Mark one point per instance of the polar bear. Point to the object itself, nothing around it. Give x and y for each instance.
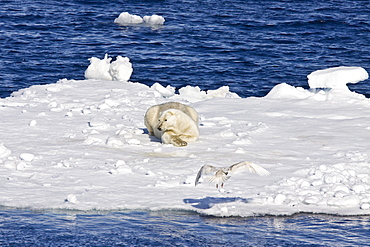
(173, 123)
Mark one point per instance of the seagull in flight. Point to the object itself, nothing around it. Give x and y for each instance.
(222, 174)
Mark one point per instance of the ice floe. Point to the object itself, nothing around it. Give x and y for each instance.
(126, 18)
(82, 144)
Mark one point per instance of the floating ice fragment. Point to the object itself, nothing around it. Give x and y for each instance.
(154, 20)
(126, 18)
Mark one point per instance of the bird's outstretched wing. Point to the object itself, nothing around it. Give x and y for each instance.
(204, 170)
(250, 167)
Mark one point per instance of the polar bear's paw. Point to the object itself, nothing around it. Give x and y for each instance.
(178, 142)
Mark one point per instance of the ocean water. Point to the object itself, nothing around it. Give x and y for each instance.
(248, 45)
(171, 228)
(245, 44)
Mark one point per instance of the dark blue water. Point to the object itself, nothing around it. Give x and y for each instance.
(26, 228)
(245, 44)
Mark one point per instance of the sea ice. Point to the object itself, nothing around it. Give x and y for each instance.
(90, 149)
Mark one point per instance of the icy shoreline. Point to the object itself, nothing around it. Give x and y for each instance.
(82, 145)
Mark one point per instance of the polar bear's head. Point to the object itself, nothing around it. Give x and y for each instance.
(168, 119)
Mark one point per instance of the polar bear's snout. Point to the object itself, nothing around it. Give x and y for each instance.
(160, 126)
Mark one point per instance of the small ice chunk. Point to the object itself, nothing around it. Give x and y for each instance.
(150, 173)
(279, 199)
(358, 188)
(124, 169)
(154, 20)
(27, 157)
(32, 123)
(126, 18)
(121, 69)
(164, 91)
(21, 165)
(120, 163)
(336, 77)
(71, 198)
(99, 69)
(305, 184)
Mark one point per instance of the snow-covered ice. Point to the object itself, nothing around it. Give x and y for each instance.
(88, 149)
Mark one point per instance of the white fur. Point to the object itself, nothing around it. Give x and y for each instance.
(173, 123)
